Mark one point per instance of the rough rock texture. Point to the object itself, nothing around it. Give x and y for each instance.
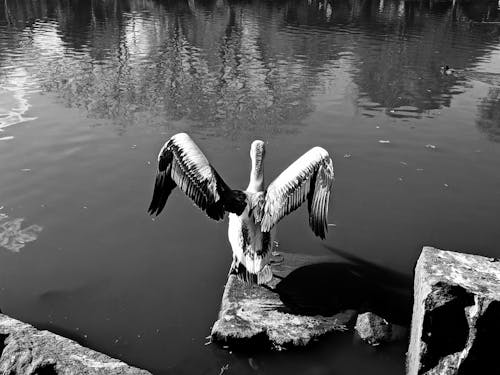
(253, 312)
(26, 350)
(456, 314)
(376, 330)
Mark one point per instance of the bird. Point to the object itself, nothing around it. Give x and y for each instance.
(253, 212)
(447, 70)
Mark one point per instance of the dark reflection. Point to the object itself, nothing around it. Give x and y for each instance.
(482, 11)
(329, 288)
(229, 66)
(405, 79)
(90, 19)
(488, 119)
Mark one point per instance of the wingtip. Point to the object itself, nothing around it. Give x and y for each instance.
(153, 205)
(152, 210)
(320, 234)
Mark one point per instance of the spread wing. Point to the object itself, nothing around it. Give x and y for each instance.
(181, 163)
(309, 177)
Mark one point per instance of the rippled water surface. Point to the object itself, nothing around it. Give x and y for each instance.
(90, 90)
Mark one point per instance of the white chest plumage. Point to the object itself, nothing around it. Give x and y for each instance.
(251, 247)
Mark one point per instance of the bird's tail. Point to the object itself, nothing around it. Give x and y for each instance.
(261, 277)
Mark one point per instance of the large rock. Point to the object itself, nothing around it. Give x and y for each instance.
(256, 312)
(456, 314)
(28, 351)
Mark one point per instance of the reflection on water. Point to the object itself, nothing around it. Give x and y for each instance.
(489, 114)
(220, 65)
(12, 237)
(135, 67)
(13, 97)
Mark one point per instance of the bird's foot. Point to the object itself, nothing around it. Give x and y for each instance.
(276, 258)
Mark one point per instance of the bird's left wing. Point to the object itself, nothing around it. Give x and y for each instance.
(181, 163)
(309, 177)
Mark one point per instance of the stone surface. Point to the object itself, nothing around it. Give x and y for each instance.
(255, 312)
(26, 350)
(376, 330)
(456, 314)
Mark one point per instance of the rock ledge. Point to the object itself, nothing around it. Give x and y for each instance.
(28, 351)
(456, 310)
(257, 312)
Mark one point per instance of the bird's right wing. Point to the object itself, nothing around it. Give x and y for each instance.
(309, 177)
(181, 163)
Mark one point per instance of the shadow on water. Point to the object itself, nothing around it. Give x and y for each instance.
(386, 275)
(327, 288)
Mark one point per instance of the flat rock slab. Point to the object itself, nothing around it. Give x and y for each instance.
(251, 312)
(26, 350)
(456, 314)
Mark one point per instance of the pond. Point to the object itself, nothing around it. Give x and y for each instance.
(91, 89)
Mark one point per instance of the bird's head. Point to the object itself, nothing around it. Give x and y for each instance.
(257, 151)
(445, 69)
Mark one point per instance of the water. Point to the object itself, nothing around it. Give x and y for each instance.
(90, 90)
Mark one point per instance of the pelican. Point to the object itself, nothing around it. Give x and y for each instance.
(254, 212)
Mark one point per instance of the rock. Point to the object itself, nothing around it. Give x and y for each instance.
(28, 351)
(456, 314)
(256, 312)
(376, 330)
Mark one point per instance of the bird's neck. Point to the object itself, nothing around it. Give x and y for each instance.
(256, 183)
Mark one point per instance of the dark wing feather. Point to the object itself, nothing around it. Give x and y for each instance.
(309, 177)
(163, 183)
(181, 163)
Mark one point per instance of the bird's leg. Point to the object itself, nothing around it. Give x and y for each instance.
(234, 267)
(276, 257)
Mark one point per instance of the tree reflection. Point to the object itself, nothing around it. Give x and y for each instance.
(482, 11)
(179, 62)
(405, 79)
(489, 114)
(229, 66)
